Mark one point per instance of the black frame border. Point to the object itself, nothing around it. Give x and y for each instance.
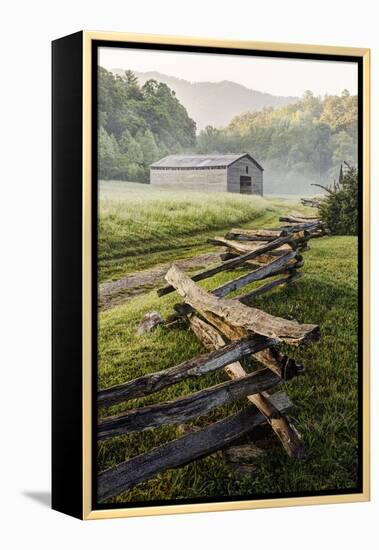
(67, 258)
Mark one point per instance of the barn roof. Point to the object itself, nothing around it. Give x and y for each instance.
(200, 161)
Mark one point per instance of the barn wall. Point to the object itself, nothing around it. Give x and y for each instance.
(198, 180)
(239, 169)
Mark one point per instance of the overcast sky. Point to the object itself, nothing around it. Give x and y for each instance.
(275, 76)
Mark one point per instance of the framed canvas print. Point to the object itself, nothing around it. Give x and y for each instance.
(210, 275)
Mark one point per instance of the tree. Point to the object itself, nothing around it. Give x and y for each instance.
(343, 148)
(306, 140)
(340, 177)
(130, 148)
(108, 153)
(339, 210)
(133, 89)
(141, 124)
(149, 148)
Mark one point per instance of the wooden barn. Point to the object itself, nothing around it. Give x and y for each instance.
(227, 173)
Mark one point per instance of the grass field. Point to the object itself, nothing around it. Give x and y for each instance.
(140, 226)
(325, 398)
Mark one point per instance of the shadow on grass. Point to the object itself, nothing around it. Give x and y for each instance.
(309, 293)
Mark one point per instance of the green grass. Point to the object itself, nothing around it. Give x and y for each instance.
(141, 226)
(325, 398)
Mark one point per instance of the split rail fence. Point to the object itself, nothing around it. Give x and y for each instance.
(312, 202)
(238, 338)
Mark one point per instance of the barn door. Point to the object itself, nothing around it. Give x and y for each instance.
(245, 185)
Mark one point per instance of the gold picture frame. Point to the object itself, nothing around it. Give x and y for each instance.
(85, 510)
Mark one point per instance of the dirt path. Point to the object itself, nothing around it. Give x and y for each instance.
(125, 289)
(119, 292)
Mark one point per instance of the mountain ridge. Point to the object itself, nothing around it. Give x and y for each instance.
(213, 103)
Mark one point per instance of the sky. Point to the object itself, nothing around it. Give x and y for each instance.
(277, 76)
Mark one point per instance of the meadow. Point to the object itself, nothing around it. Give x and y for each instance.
(325, 398)
(140, 226)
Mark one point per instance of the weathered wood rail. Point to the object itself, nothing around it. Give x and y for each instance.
(241, 339)
(183, 450)
(242, 318)
(186, 408)
(254, 252)
(312, 202)
(209, 362)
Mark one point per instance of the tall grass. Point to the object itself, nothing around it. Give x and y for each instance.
(325, 398)
(136, 219)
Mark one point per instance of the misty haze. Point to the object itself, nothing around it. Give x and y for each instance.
(299, 141)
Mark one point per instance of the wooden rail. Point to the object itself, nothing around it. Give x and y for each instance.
(283, 429)
(312, 202)
(209, 362)
(185, 408)
(183, 450)
(233, 263)
(277, 266)
(237, 336)
(232, 312)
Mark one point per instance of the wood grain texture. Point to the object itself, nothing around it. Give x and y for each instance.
(275, 267)
(267, 235)
(273, 359)
(255, 234)
(211, 337)
(246, 298)
(183, 450)
(185, 408)
(238, 315)
(232, 263)
(156, 381)
(245, 246)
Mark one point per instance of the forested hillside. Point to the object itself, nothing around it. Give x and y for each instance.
(214, 103)
(138, 125)
(298, 144)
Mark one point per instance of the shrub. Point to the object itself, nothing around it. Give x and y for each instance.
(339, 209)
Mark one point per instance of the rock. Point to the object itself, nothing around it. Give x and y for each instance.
(244, 470)
(243, 454)
(242, 458)
(150, 321)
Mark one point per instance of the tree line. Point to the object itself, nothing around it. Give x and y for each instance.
(308, 139)
(138, 125)
(303, 141)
